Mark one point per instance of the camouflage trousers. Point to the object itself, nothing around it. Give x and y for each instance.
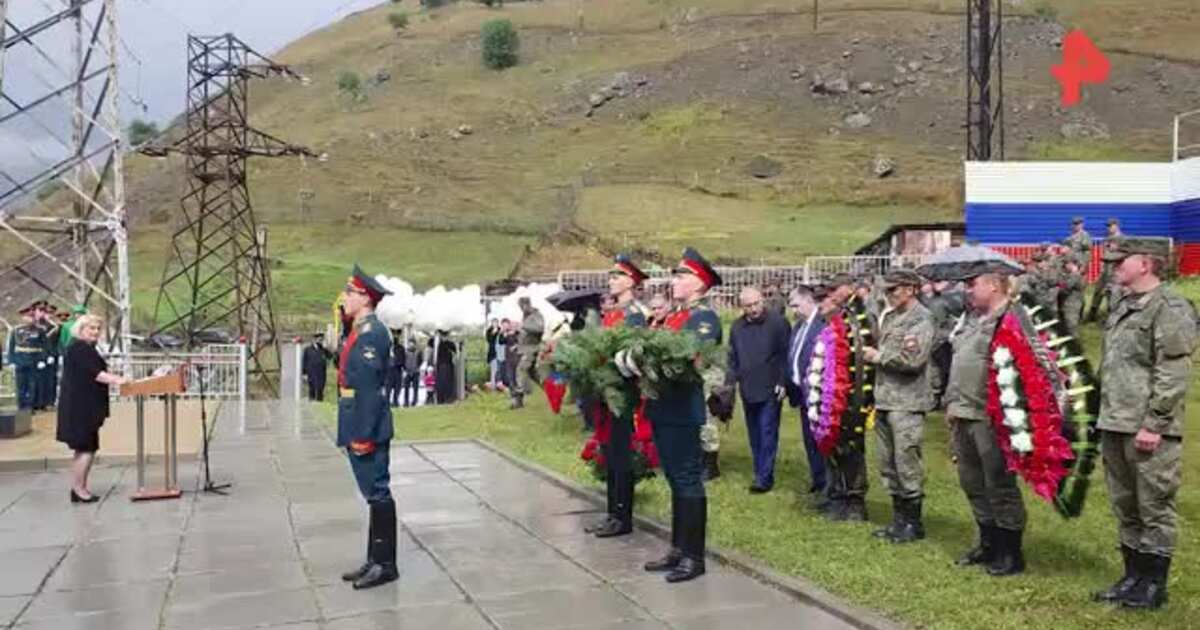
(527, 376)
(983, 474)
(898, 435)
(1071, 309)
(710, 435)
(1142, 488)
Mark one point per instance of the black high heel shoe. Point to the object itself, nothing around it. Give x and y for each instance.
(75, 498)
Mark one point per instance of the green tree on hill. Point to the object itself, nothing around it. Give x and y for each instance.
(141, 131)
(351, 86)
(500, 44)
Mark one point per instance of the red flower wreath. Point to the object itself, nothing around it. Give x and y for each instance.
(641, 442)
(1046, 465)
(834, 388)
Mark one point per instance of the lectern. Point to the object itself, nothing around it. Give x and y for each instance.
(169, 386)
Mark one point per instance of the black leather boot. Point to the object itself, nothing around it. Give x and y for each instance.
(351, 576)
(1150, 591)
(695, 526)
(1010, 559)
(1122, 586)
(897, 520)
(911, 529)
(852, 509)
(622, 518)
(982, 553)
(383, 548)
(610, 502)
(675, 554)
(712, 466)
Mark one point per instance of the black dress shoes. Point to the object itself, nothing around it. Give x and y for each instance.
(75, 498)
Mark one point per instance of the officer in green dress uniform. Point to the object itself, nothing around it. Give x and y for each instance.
(365, 424)
(624, 277)
(677, 417)
(1149, 339)
(25, 348)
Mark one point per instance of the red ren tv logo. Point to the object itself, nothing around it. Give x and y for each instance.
(1082, 63)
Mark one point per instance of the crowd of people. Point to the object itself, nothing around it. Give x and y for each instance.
(410, 372)
(924, 344)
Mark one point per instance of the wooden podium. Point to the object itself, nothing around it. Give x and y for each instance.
(169, 386)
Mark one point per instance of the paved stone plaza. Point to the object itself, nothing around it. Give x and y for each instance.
(484, 544)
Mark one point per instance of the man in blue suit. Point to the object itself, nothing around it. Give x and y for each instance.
(803, 302)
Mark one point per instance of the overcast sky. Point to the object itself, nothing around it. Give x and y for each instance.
(153, 60)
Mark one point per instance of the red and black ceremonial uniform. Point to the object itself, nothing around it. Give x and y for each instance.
(619, 437)
(677, 417)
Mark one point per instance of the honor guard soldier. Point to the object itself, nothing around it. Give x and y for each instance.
(25, 351)
(678, 418)
(618, 452)
(902, 398)
(990, 487)
(1149, 339)
(365, 424)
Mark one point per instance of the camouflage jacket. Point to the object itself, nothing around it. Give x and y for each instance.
(1068, 281)
(1147, 365)
(1081, 247)
(905, 341)
(532, 329)
(945, 309)
(966, 393)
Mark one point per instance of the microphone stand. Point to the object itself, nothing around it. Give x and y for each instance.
(209, 486)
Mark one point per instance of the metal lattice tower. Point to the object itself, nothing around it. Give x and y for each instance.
(985, 80)
(62, 211)
(217, 276)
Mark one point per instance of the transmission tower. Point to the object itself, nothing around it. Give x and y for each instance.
(985, 80)
(62, 209)
(218, 276)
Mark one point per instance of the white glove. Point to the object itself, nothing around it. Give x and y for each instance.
(50, 360)
(41, 365)
(625, 364)
(780, 392)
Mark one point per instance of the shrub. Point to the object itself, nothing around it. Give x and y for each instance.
(500, 44)
(1045, 10)
(491, 3)
(141, 132)
(350, 84)
(398, 20)
(432, 4)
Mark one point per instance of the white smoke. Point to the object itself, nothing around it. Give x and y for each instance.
(461, 310)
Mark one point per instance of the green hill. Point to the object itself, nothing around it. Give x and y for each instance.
(638, 123)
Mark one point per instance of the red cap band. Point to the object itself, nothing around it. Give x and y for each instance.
(358, 284)
(699, 270)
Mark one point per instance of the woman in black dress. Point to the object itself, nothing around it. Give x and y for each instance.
(83, 402)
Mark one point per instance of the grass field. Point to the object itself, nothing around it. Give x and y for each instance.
(916, 584)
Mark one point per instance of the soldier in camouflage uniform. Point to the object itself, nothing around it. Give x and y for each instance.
(1079, 243)
(529, 344)
(1105, 285)
(983, 473)
(1042, 283)
(1148, 343)
(945, 305)
(902, 397)
(1069, 274)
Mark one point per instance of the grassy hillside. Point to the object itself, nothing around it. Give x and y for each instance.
(448, 171)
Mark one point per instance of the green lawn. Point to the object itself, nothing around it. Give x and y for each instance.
(916, 584)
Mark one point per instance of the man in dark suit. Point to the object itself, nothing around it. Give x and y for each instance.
(803, 302)
(757, 357)
(315, 358)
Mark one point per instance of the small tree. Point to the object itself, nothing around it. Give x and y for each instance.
(398, 20)
(141, 131)
(500, 44)
(350, 84)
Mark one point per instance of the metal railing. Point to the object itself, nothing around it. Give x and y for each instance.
(221, 369)
(734, 279)
(1186, 150)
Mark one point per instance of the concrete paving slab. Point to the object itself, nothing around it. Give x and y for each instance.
(483, 543)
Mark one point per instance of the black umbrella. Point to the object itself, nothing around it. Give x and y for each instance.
(576, 301)
(967, 261)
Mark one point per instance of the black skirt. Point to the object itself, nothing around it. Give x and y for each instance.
(82, 402)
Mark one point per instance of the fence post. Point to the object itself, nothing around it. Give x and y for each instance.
(242, 384)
